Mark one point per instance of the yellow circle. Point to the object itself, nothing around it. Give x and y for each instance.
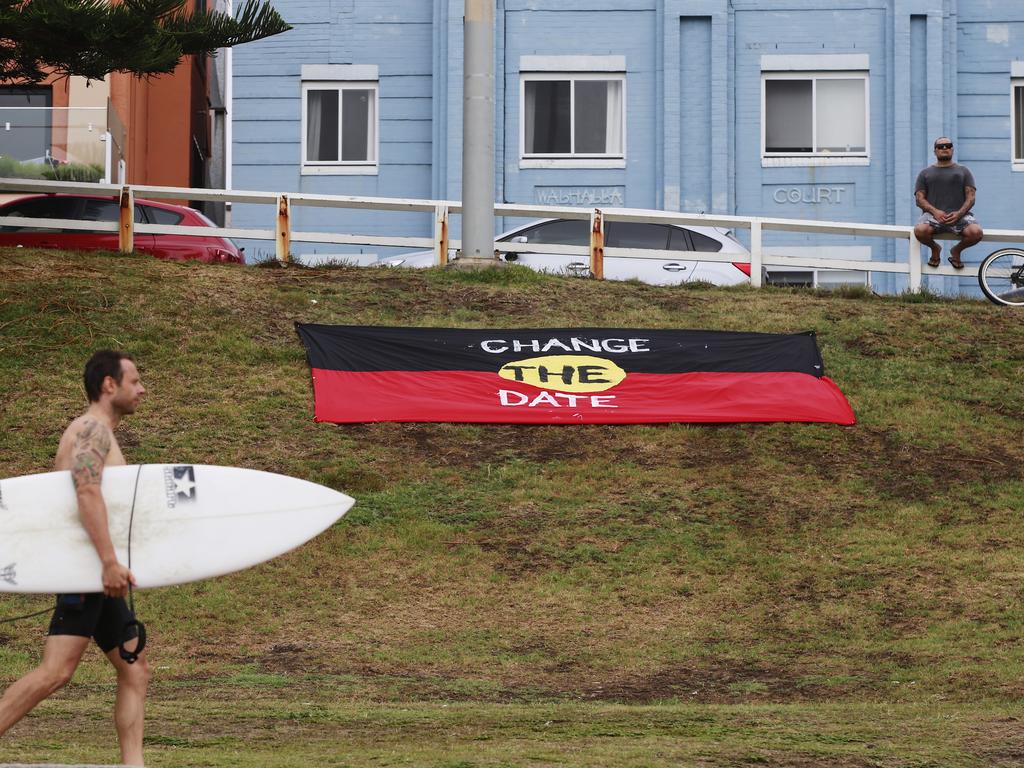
(565, 373)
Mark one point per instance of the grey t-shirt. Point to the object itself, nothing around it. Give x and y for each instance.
(944, 186)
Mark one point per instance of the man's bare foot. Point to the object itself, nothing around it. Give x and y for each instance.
(936, 258)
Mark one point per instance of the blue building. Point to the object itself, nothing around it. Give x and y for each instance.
(818, 109)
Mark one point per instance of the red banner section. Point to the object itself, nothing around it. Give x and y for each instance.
(586, 376)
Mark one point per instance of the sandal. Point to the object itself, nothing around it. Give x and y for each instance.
(955, 261)
(934, 261)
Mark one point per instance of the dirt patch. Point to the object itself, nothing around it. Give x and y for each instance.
(998, 743)
(902, 470)
(291, 658)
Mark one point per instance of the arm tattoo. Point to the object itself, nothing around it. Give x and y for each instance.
(89, 453)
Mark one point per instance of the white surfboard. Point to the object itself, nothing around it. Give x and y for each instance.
(182, 522)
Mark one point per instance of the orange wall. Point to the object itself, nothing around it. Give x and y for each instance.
(158, 116)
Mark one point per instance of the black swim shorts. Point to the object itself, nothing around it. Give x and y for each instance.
(93, 615)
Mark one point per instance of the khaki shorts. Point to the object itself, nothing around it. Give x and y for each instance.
(957, 227)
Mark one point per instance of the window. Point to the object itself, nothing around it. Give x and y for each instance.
(41, 208)
(703, 243)
(27, 121)
(557, 232)
(162, 215)
(815, 109)
(1018, 123)
(635, 234)
(339, 120)
(815, 114)
(573, 117)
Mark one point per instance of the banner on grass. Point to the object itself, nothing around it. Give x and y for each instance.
(567, 376)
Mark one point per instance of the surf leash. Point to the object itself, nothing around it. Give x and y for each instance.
(26, 616)
(133, 623)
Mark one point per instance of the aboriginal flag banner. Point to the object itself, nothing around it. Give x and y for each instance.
(567, 376)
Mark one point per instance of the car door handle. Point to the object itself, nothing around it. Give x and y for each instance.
(674, 267)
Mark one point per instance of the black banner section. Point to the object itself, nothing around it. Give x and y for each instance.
(373, 348)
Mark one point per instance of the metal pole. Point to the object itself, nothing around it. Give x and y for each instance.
(478, 136)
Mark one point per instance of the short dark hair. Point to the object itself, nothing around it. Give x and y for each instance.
(105, 362)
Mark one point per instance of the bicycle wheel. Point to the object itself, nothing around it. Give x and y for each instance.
(1001, 277)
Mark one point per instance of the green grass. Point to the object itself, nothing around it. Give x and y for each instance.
(507, 595)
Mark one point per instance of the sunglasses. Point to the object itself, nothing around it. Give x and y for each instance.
(943, 146)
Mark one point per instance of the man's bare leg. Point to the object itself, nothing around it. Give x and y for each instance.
(971, 235)
(129, 711)
(925, 235)
(61, 655)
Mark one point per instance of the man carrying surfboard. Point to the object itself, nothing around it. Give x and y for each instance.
(114, 389)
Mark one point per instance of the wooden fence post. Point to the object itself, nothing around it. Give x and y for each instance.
(284, 229)
(597, 244)
(441, 235)
(126, 221)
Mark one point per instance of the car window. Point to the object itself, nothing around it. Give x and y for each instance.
(631, 234)
(162, 215)
(105, 210)
(41, 208)
(704, 244)
(678, 239)
(558, 232)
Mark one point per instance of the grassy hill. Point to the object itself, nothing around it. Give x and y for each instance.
(780, 594)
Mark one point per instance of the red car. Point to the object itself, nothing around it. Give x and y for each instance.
(89, 208)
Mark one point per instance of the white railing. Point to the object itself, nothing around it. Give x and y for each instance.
(283, 234)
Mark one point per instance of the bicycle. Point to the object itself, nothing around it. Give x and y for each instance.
(1001, 277)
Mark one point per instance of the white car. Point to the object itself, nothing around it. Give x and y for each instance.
(690, 242)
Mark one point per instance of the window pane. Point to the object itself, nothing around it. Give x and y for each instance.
(631, 234)
(1018, 122)
(547, 118)
(704, 244)
(100, 210)
(832, 278)
(321, 126)
(162, 216)
(803, 278)
(356, 106)
(559, 232)
(592, 117)
(841, 115)
(788, 116)
(42, 208)
(28, 132)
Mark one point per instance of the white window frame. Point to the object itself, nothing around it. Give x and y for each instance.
(776, 159)
(337, 77)
(571, 160)
(1016, 81)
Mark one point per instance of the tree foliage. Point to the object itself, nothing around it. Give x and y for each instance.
(92, 38)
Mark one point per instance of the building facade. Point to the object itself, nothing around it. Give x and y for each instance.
(816, 109)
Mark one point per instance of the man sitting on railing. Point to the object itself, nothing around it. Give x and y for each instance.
(945, 191)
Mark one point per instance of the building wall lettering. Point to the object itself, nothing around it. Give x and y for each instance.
(587, 196)
(811, 194)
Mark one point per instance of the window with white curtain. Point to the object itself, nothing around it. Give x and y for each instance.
(339, 125)
(1018, 122)
(573, 116)
(815, 114)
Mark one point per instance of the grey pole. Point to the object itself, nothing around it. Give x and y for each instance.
(478, 136)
